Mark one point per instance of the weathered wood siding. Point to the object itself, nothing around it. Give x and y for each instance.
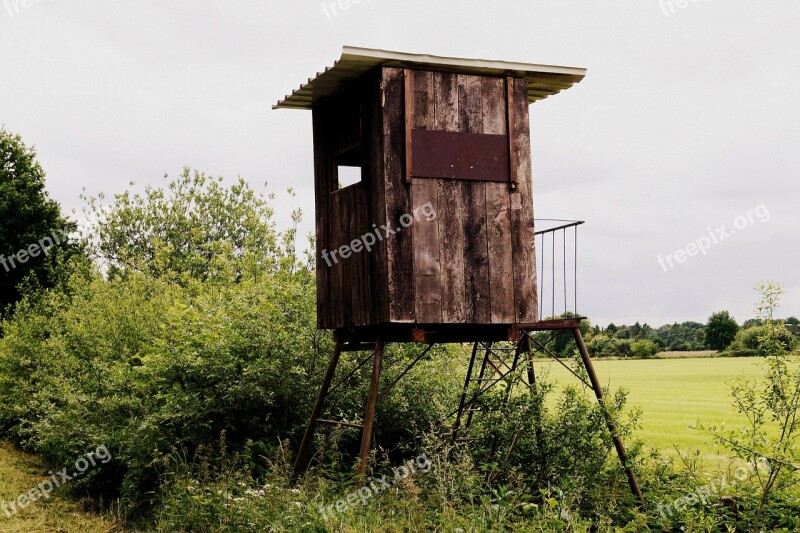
(399, 251)
(473, 264)
(345, 287)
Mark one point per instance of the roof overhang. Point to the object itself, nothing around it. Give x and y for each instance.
(543, 80)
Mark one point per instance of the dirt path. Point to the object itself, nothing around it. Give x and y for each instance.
(19, 473)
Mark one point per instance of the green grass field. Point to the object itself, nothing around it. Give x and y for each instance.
(674, 395)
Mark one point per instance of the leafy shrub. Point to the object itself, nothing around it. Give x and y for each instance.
(771, 409)
(756, 340)
(644, 349)
(601, 346)
(192, 354)
(194, 338)
(532, 447)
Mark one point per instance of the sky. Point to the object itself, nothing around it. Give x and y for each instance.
(684, 133)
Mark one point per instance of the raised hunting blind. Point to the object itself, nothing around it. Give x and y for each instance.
(425, 217)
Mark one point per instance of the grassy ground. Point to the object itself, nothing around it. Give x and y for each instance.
(21, 472)
(675, 393)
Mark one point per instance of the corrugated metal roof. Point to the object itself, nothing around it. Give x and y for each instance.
(543, 80)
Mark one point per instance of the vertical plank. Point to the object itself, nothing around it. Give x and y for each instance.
(427, 253)
(346, 284)
(423, 116)
(376, 187)
(427, 266)
(498, 206)
(445, 96)
(476, 254)
(322, 202)
(501, 267)
(470, 108)
(367, 313)
(361, 216)
(451, 234)
(409, 95)
(451, 206)
(353, 264)
(493, 100)
(475, 247)
(335, 271)
(399, 247)
(511, 120)
(525, 297)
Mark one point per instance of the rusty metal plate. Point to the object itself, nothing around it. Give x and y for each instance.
(454, 155)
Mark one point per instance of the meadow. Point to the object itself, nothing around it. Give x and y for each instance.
(674, 395)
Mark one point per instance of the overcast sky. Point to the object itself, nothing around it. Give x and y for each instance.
(687, 119)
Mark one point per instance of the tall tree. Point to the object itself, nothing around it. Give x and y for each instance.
(185, 230)
(33, 235)
(720, 331)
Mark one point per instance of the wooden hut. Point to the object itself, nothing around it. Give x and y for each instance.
(424, 219)
(424, 209)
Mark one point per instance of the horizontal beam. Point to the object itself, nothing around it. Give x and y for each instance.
(559, 323)
(339, 423)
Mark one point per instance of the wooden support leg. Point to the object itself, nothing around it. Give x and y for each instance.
(612, 426)
(369, 416)
(315, 413)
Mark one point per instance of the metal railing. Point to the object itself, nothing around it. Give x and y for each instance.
(557, 267)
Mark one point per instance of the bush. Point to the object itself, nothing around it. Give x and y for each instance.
(531, 446)
(756, 340)
(601, 346)
(207, 337)
(644, 349)
(623, 347)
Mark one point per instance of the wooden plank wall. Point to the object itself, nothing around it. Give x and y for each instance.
(474, 264)
(345, 288)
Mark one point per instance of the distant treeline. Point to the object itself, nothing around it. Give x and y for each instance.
(720, 333)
